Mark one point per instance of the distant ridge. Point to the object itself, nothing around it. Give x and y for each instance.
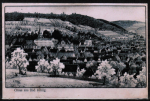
(125, 23)
(136, 27)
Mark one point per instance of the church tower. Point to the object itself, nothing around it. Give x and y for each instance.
(39, 33)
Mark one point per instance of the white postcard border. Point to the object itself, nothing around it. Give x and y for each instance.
(72, 93)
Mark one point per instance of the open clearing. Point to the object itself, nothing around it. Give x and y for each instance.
(34, 79)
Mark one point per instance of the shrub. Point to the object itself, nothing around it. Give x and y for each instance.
(80, 73)
(141, 78)
(42, 66)
(56, 66)
(127, 81)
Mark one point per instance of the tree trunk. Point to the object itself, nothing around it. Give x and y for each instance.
(121, 73)
(19, 70)
(54, 72)
(118, 78)
(104, 78)
(42, 69)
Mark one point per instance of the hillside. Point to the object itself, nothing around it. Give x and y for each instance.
(132, 26)
(111, 26)
(74, 18)
(125, 23)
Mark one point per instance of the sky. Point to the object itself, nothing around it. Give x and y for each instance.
(110, 13)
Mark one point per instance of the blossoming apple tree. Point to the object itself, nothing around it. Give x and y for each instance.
(56, 66)
(105, 71)
(42, 66)
(18, 60)
(127, 81)
(141, 79)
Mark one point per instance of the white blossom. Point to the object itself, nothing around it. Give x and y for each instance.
(80, 73)
(127, 81)
(143, 71)
(56, 65)
(141, 78)
(105, 70)
(43, 66)
(18, 60)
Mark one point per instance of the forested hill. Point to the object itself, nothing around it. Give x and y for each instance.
(74, 18)
(112, 26)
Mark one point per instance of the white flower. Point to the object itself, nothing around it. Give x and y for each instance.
(36, 67)
(143, 71)
(55, 62)
(49, 66)
(61, 65)
(56, 65)
(114, 81)
(121, 66)
(7, 64)
(105, 70)
(80, 73)
(127, 81)
(43, 65)
(141, 79)
(93, 77)
(18, 59)
(70, 74)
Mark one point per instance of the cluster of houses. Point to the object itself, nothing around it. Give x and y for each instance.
(77, 56)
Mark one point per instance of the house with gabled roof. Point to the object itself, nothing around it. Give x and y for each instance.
(29, 44)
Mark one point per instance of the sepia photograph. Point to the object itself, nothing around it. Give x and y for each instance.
(77, 46)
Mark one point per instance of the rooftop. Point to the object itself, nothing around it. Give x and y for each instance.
(44, 42)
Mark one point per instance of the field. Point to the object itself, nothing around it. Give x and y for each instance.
(138, 28)
(110, 34)
(141, 31)
(31, 25)
(34, 79)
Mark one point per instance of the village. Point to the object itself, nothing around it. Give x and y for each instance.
(77, 47)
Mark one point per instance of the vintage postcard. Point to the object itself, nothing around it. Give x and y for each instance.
(75, 51)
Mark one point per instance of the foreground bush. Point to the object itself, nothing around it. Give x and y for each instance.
(80, 73)
(129, 81)
(141, 78)
(42, 66)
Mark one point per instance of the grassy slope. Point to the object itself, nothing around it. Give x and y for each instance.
(34, 79)
(10, 73)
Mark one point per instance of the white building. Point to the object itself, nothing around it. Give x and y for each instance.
(88, 42)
